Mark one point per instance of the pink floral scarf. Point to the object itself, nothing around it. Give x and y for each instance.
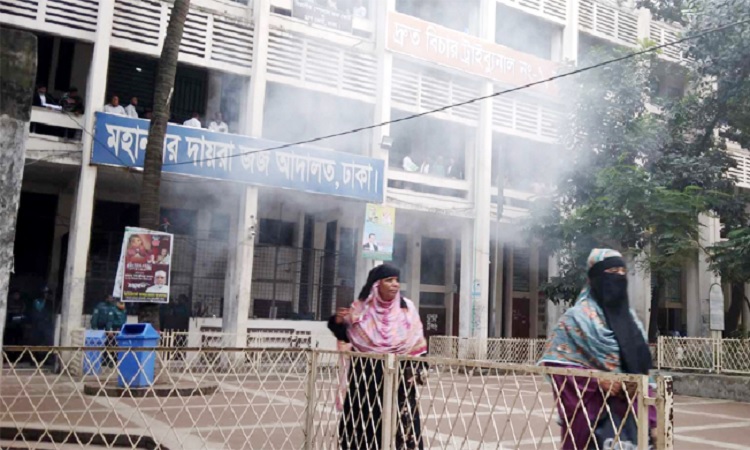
(378, 326)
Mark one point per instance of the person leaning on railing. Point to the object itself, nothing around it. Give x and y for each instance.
(380, 321)
(600, 332)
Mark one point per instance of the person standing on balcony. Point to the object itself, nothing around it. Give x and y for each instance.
(42, 98)
(600, 332)
(194, 121)
(132, 109)
(218, 125)
(114, 107)
(381, 321)
(72, 102)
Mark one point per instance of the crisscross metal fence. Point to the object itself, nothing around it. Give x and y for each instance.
(704, 354)
(227, 398)
(504, 350)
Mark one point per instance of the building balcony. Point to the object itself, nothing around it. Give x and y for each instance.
(54, 137)
(741, 173)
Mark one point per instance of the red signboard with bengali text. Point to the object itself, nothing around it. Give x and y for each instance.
(433, 43)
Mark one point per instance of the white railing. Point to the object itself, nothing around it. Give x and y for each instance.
(609, 22)
(501, 350)
(321, 65)
(741, 173)
(211, 39)
(217, 35)
(525, 117)
(661, 33)
(417, 88)
(704, 355)
(290, 398)
(555, 10)
(76, 18)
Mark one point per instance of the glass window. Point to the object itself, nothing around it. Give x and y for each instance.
(433, 261)
(521, 272)
(276, 232)
(431, 299)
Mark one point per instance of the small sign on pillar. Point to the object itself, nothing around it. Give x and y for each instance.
(716, 307)
(380, 226)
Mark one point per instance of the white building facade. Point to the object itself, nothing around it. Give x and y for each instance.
(290, 70)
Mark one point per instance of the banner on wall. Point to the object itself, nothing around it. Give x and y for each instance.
(144, 272)
(121, 141)
(335, 14)
(377, 238)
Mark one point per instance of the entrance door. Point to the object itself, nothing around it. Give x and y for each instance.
(521, 318)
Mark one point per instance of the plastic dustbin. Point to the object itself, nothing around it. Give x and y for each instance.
(136, 367)
(92, 359)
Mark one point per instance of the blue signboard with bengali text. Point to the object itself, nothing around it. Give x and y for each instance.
(121, 141)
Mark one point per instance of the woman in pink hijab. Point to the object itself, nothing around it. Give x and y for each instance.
(380, 321)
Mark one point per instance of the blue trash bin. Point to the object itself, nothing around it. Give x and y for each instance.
(92, 359)
(136, 367)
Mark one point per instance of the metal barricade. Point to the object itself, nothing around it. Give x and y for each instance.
(273, 398)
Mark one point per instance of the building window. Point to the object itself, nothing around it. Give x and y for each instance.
(400, 248)
(457, 15)
(433, 261)
(276, 232)
(524, 33)
(521, 269)
(435, 299)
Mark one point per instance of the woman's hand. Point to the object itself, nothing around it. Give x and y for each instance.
(613, 388)
(341, 315)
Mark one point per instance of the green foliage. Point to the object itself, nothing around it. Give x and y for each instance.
(731, 258)
(666, 10)
(637, 181)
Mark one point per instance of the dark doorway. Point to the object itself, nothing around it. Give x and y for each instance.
(521, 318)
(35, 230)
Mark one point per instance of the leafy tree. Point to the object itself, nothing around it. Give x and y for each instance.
(637, 179)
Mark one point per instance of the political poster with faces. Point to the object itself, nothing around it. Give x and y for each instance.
(144, 271)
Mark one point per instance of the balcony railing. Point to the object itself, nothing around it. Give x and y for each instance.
(741, 173)
(609, 22)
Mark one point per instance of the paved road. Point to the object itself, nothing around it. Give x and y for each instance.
(705, 424)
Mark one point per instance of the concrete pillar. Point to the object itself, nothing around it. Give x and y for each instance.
(499, 295)
(382, 113)
(238, 304)
(451, 282)
(644, 23)
(508, 304)
(571, 33)
(17, 71)
(234, 220)
(83, 208)
(238, 281)
(64, 209)
(699, 280)
(213, 102)
(414, 259)
(639, 290)
(384, 82)
(534, 291)
(251, 116)
(554, 312)
(475, 244)
(746, 310)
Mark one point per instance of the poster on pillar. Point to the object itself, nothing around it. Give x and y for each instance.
(377, 238)
(144, 272)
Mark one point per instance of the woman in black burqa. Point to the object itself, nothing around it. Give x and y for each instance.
(380, 321)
